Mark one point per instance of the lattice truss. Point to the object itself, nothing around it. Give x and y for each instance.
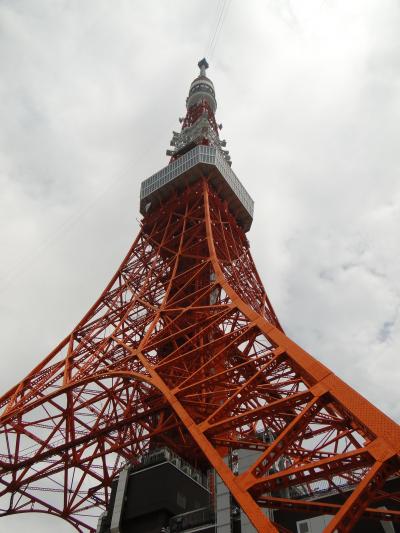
(183, 349)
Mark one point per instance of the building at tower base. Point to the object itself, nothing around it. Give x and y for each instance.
(164, 494)
(161, 493)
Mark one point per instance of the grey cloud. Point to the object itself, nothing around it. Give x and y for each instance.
(308, 95)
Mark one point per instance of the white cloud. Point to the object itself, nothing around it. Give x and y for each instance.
(309, 99)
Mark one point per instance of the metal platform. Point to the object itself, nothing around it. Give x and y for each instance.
(201, 161)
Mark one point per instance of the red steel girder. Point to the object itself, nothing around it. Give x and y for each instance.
(184, 349)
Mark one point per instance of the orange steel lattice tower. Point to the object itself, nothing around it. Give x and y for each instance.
(184, 349)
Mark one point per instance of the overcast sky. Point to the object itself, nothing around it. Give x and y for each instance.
(309, 96)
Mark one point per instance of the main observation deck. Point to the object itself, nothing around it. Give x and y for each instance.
(201, 161)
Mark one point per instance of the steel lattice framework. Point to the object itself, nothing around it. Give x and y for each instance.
(184, 349)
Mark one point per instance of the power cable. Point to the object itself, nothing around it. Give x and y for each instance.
(221, 21)
(26, 261)
(214, 29)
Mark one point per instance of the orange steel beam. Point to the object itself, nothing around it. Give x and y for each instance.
(184, 349)
(319, 508)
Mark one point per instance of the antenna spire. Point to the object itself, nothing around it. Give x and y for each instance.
(199, 125)
(203, 65)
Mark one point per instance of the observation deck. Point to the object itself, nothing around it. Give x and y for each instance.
(201, 161)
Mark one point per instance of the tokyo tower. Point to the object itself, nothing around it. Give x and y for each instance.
(183, 349)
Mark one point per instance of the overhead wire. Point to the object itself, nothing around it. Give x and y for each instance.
(218, 32)
(26, 260)
(220, 17)
(214, 28)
